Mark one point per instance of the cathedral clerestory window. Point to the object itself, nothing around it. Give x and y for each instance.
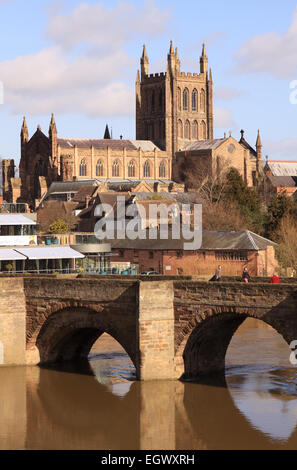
(147, 169)
(162, 170)
(131, 169)
(115, 169)
(99, 168)
(83, 168)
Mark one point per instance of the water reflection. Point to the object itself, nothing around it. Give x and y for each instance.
(103, 407)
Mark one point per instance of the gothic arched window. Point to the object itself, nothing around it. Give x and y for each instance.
(180, 129)
(185, 99)
(162, 170)
(131, 169)
(187, 130)
(203, 130)
(83, 168)
(153, 101)
(99, 168)
(194, 100)
(179, 99)
(115, 168)
(147, 169)
(195, 130)
(160, 100)
(202, 100)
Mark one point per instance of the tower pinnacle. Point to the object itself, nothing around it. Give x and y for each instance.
(203, 60)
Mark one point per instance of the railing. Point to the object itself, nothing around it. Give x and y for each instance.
(72, 271)
(74, 238)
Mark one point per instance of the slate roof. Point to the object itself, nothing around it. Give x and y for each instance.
(204, 144)
(214, 240)
(283, 181)
(281, 168)
(102, 144)
(245, 144)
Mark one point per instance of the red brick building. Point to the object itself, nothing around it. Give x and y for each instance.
(232, 250)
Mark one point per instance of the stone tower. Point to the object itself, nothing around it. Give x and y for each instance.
(175, 107)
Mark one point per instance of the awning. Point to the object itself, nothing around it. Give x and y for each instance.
(10, 255)
(15, 219)
(59, 252)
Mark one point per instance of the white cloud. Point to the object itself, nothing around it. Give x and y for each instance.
(223, 118)
(272, 53)
(61, 80)
(227, 94)
(283, 149)
(106, 27)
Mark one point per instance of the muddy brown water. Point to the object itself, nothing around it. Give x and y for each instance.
(100, 405)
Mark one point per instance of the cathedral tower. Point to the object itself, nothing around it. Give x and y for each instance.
(175, 107)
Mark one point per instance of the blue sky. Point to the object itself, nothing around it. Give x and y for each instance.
(78, 59)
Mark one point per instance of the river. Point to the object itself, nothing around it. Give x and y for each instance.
(103, 407)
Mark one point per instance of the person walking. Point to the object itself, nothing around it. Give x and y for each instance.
(218, 275)
(245, 275)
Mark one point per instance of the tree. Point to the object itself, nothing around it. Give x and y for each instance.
(286, 236)
(51, 212)
(59, 226)
(247, 200)
(223, 215)
(280, 207)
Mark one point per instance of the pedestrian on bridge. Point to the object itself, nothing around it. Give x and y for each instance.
(245, 275)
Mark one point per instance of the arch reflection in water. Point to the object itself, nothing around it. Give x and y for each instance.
(67, 410)
(264, 385)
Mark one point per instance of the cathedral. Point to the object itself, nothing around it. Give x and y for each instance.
(174, 110)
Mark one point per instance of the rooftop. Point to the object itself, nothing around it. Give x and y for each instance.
(211, 240)
(102, 144)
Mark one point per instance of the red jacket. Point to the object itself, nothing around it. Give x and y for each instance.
(275, 280)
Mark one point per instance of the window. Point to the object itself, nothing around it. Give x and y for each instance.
(147, 169)
(160, 100)
(195, 130)
(231, 256)
(83, 168)
(151, 254)
(202, 101)
(185, 99)
(194, 100)
(99, 168)
(115, 169)
(131, 169)
(153, 101)
(254, 176)
(179, 99)
(180, 129)
(162, 170)
(187, 130)
(203, 130)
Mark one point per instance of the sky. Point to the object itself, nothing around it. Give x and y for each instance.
(78, 59)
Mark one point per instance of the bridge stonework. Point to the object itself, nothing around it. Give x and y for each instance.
(169, 328)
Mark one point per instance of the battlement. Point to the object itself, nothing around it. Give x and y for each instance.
(155, 76)
(190, 75)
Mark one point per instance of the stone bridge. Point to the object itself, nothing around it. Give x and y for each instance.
(169, 328)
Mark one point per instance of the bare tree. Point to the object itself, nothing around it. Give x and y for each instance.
(208, 181)
(287, 238)
(53, 211)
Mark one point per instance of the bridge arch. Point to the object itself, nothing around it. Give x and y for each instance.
(68, 334)
(202, 343)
